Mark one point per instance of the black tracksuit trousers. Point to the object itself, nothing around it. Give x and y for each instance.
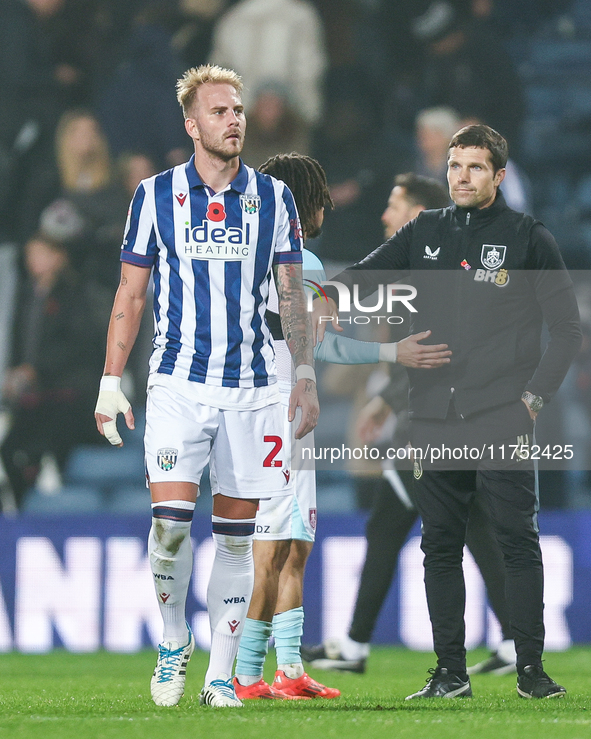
(443, 498)
(387, 530)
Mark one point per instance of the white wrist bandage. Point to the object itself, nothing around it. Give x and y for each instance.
(305, 371)
(110, 402)
(388, 352)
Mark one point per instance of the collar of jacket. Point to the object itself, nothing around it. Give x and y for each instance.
(480, 215)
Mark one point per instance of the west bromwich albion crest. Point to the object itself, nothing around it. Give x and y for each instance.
(250, 203)
(492, 255)
(167, 458)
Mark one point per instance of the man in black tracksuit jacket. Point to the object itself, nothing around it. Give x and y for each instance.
(487, 279)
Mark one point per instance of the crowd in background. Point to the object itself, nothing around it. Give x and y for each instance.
(371, 88)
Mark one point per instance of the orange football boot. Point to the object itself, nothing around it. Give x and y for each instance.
(302, 687)
(258, 691)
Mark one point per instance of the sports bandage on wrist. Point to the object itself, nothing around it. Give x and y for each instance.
(388, 352)
(110, 383)
(305, 372)
(110, 402)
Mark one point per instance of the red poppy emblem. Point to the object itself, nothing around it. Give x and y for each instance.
(215, 212)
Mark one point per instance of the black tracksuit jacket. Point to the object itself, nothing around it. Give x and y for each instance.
(487, 280)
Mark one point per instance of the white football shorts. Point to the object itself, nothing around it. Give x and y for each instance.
(244, 448)
(292, 516)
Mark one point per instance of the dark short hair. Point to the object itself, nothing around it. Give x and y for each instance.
(483, 137)
(307, 181)
(423, 191)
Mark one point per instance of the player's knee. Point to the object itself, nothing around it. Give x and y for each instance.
(442, 542)
(270, 556)
(521, 549)
(238, 546)
(298, 555)
(168, 537)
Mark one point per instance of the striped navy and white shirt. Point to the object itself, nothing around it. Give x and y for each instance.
(212, 255)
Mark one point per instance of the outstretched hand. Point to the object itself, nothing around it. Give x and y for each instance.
(422, 356)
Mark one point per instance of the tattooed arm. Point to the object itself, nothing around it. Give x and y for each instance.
(297, 330)
(124, 325)
(126, 317)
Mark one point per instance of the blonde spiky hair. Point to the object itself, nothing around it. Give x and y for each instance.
(191, 81)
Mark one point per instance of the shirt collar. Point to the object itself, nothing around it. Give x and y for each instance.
(239, 182)
(482, 214)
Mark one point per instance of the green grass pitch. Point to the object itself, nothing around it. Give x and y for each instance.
(103, 696)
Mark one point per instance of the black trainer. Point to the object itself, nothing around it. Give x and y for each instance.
(534, 683)
(444, 684)
(328, 657)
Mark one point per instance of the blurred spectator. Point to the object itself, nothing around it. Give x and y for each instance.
(434, 129)
(274, 127)
(138, 108)
(82, 153)
(410, 195)
(274, 40)
(56, 358)
(468, 69)
(87, 178)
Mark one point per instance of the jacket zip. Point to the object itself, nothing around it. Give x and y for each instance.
(465, 239)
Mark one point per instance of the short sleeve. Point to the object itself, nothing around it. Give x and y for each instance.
(288, 245)
(139, 240)
(313, 274)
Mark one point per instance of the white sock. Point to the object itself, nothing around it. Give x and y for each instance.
(353, 650)
(171, 560)
(292, 671)
(229, 591)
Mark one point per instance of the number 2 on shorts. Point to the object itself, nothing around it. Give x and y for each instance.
(270, 460)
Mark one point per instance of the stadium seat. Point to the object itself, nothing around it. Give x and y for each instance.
(105, 467)
(129, 499)
(556, 56)
(71, 499)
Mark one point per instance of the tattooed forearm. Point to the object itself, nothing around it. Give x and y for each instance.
(123, 280)
(119, 316)
(121, 346)
(295, 320)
